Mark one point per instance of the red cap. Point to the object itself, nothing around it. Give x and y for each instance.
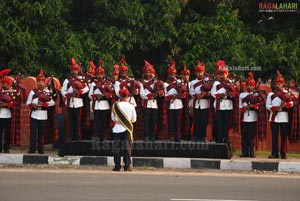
(185, 70)
(221, 67)
(199, 67)
(147, 67)
(4, 72)
(91, 69)
(7, 80)
(4, 76)
(124, 67)
(172, 67)
(74, 65)
(279, 78)
(100, 69)
(250, 81)
(124, 92)
(40, 76)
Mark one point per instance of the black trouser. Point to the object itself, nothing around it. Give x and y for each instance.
(222, 121)
(200, 124)
(283, 134)
(5, 128)
(36, 127)
(73, 116)
(122, 147)
(248, 133)
(173, 123)
(150, 120)
(101, 122)
(61, 137)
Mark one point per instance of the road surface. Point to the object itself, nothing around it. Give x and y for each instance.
(19, 184)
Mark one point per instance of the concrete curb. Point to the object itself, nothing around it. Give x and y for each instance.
(156, 162)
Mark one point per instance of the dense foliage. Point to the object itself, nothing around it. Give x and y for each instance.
(46, 33)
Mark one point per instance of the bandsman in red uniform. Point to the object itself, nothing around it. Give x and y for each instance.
(223, 92)
(186, 120)
(38, 100)
(248, 107)
(101, 92)
(73, 88)
(279, 102)
(6, 104)
(200, 91)
(149, 102)
(294, 116)
(174, 103)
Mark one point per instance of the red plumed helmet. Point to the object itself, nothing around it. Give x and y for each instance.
(92, 65)
(124, 67)
(4, 76)
(199, 67)
(172, 68)
(100, 69)
(4, 72)
(74, 65)
(41, 76)
(101, 64)
(250, 81)
(279, 78)
(147, 67)
(91, 69)
(221, 67)
(185, 70)
(7, 80)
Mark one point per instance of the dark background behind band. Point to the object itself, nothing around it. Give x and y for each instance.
(46, 33)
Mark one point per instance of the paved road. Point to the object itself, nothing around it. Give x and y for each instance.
(90, 185)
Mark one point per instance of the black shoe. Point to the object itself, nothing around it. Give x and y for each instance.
(273, 156)
(6, 151)
(127, 169)
(283, 157)
(244, 155)
(41, 152)
(116, 169)
(252, 156)
(31, 152)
